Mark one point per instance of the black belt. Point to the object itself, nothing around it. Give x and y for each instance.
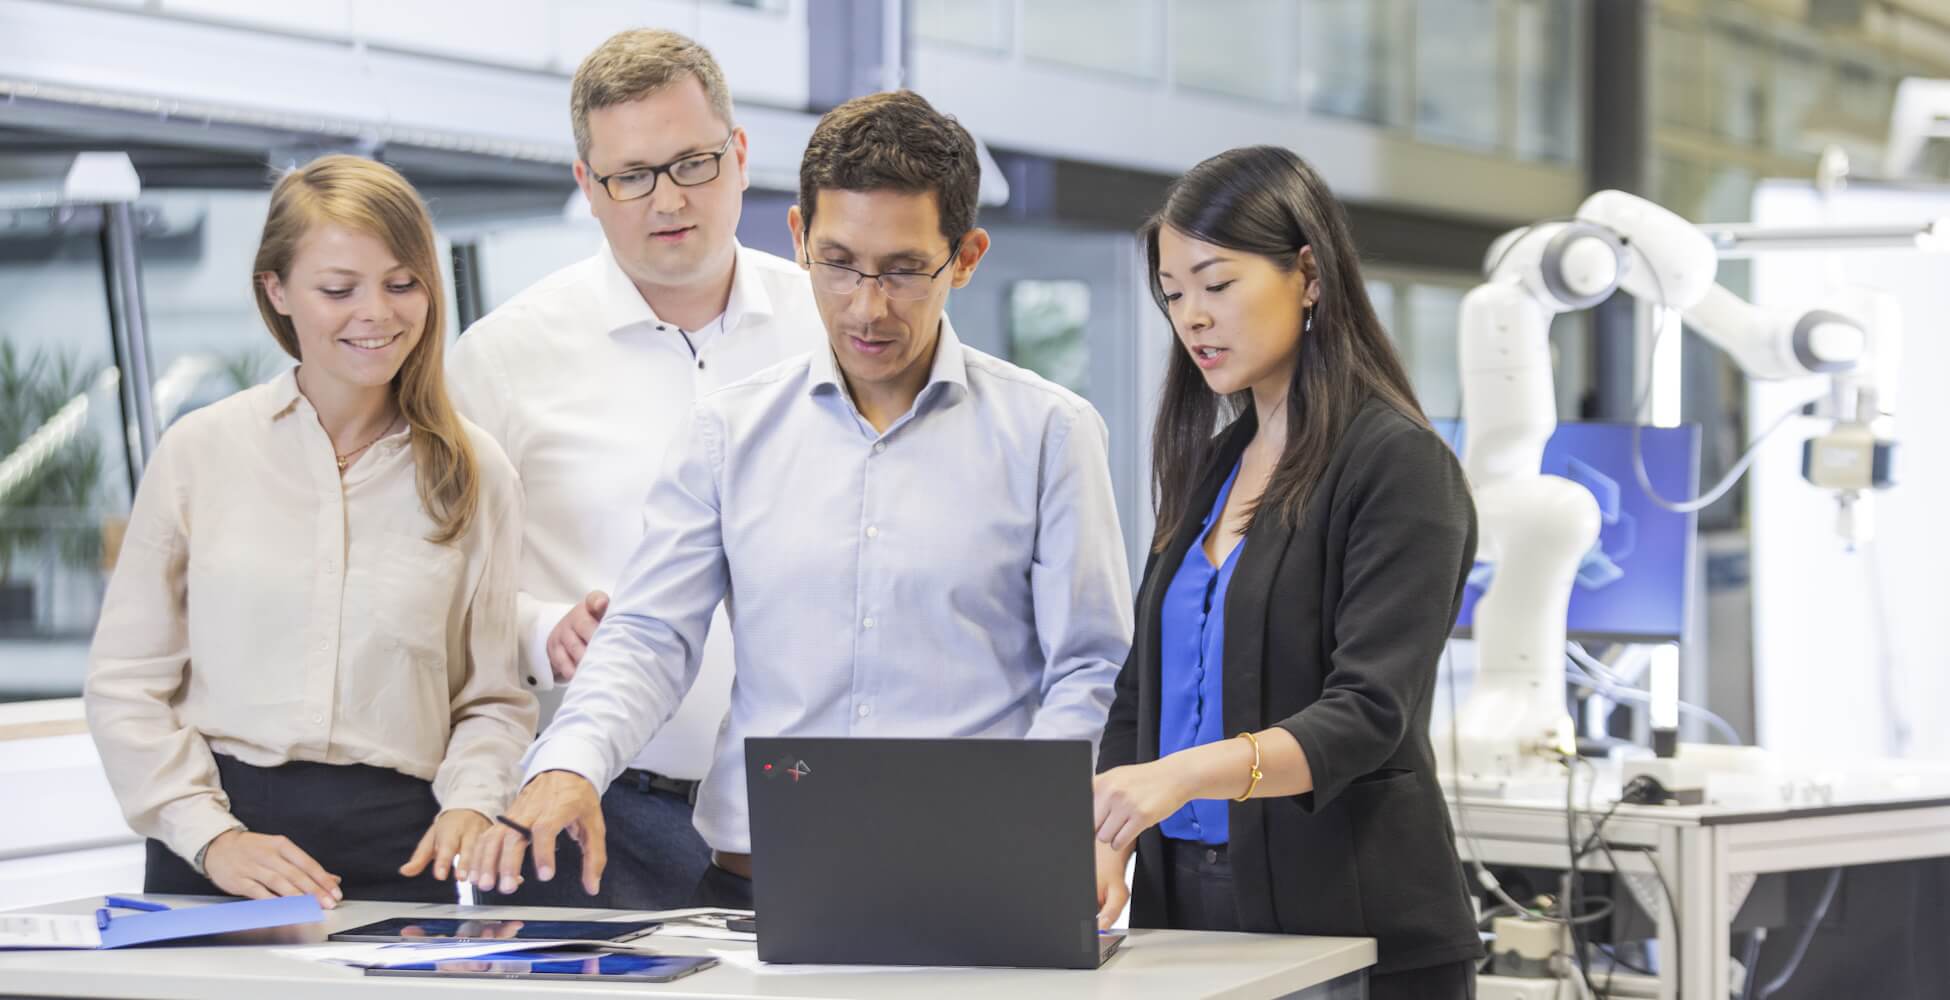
(650, 781)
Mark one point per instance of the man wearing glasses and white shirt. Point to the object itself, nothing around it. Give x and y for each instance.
(586, 376)
(919, 539)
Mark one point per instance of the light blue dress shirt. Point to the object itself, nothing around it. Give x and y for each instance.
(961, 575)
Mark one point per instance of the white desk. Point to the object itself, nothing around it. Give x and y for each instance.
(1710, 856)
(1166, 965)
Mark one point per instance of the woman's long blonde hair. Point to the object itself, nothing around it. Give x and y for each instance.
(372, 198)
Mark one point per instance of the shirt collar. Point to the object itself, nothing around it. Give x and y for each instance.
(624, 307)
(282, 397)
(950, 366)
(750, 300)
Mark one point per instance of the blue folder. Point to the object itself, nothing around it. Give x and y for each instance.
(217, 918)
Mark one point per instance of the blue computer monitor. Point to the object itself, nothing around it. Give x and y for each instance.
(1636, 583)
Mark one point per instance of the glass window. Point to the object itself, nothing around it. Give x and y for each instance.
(64, 478)
(1703, 193)
(1233, 47)
(1864, 95)
(980, 23)
(1550, 95)
(1382, 295)
(1456, 90)
(1354, 58)
(1795, 111)
(1047, 320)
(206, 339)
(1428, 341)
(1118, 36)
(1679, 75)
(1738, 61)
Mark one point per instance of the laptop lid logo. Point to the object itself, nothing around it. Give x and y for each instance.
(792, 767)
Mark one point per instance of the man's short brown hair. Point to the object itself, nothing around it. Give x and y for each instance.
(631, 65)
(894, 141)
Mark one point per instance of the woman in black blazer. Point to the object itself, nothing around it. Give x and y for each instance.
(1267, 754)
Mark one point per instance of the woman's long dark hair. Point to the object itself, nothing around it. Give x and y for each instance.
(1266, 200)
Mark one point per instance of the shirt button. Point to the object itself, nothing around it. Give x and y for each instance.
(867, 624)
(324, 644)
(317, 719)
(879, 446)
(330, 566)
(873, 531)
(866, 710)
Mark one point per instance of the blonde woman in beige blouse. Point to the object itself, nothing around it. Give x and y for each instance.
(304, 679)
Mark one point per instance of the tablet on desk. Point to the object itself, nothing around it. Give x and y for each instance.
(455, 929)
(559, 965)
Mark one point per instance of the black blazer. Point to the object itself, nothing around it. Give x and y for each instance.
(1333, 632)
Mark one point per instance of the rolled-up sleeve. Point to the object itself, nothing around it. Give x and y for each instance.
(1411, 536)
(493, 712)
(646, 653)
(1080, 582)
(162, 772)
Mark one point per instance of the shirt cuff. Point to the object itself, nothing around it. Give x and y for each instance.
(563, 754)
(197, 827)
(485, 801)
(537, 619)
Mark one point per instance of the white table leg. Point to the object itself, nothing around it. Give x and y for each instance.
(1699, 899)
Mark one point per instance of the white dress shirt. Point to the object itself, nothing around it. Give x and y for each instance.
(584, 387)
(266, 608)
(961, 575)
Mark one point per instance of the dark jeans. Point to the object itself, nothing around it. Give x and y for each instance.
(1200, 897)
(1198, 891)
(358, 822)
(721, 889)
(655, 855)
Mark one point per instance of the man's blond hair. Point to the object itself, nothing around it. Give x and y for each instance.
(631, 65)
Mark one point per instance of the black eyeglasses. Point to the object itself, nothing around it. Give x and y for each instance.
(690, 171)
(839, 279)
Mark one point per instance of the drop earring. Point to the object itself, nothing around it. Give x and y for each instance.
(1307, 326)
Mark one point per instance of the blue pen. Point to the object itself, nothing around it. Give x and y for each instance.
(125, 903)
(102, 916)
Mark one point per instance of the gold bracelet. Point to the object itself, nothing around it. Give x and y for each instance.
(1256, 772)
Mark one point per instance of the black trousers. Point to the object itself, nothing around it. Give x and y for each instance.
(722, 889)
(1200, 897)
(358, 822)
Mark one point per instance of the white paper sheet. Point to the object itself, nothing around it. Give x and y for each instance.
(35, 930)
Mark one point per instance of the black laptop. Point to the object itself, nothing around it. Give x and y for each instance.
(925, 852)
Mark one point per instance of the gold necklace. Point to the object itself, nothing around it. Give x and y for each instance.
(346, 459)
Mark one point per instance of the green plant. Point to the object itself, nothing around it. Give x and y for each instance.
(53, 505)
(249, 366)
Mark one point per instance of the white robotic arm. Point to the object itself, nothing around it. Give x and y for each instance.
(1535, 529)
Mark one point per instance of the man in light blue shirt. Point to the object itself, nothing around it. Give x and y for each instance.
(912, 538)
